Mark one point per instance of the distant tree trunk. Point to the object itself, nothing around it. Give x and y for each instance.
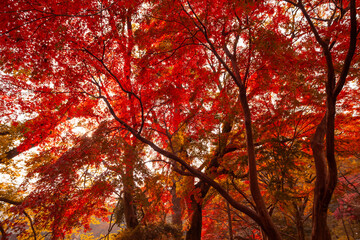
(229, 221)
(346, 232)
(176, 207)
(131, 219)
(299, 212)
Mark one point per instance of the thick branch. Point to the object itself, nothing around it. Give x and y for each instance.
(326, 51)
(13, 202)
(351, 50)
(196, 173)
(31, 224)
(202, 29)
(130, 93)
(10, 154)
(317, 146)
(17, 203)
(3, 233)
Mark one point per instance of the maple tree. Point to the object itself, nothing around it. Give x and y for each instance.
(209, 91)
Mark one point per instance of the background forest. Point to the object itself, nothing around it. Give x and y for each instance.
(180, 119)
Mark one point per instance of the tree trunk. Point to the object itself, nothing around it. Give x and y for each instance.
(325, 163)
(268, 225)
(176, 207)
(320, 230)
(130, 155)
(229, 221)
(194, 233)
(299, 222)
(128, 201)
(129, 211)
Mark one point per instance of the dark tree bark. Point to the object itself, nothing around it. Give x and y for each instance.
(231, 237)
(231, 65)
(129, 209)
(130, 215)
(3, 233)
(299, 220)
(176, 207)
(324, 158)
(194, 232)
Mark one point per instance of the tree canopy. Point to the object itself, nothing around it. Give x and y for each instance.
(180, 118)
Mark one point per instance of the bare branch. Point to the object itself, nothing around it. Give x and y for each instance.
(13, 202)
(31, 224)
(130, 93)
(351, 51)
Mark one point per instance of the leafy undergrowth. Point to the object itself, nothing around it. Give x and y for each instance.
(151, 232)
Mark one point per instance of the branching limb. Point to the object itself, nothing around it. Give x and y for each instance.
(130, 93)
(242, 193)
(13, 202)
(351, 50)
(196, 173)
(31, 224)
(17, 203)
(3, 233)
